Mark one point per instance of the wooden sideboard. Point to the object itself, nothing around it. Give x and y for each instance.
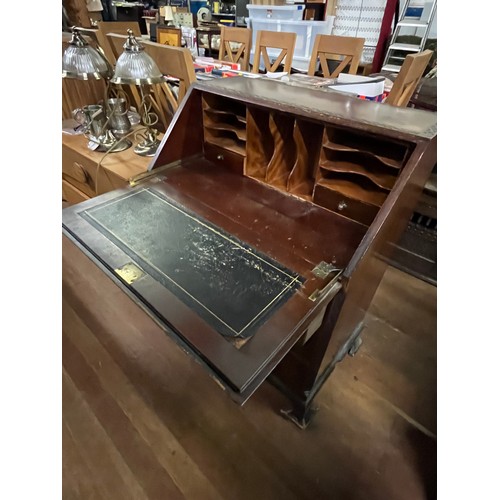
(87, 173)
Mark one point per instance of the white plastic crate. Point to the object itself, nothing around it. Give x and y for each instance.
(284, 12)
(306, 33)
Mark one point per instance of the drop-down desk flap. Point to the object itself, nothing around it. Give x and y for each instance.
(262, 204)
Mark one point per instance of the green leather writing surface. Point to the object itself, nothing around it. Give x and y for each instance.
(232, 286)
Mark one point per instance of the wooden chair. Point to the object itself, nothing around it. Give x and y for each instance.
(345, 50)
(408, 78)
(232, 36)
(172, 61)
(118, 27)
(77, 12)
(274, 40)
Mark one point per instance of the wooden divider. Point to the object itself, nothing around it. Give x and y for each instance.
(349, 172)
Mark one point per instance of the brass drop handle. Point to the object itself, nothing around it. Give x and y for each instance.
(342, 204)
(220, 157)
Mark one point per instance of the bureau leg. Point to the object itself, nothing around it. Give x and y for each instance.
(355, 345)
(300, 415)
(297, 376)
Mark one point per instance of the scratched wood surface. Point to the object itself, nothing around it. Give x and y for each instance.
(141, 420)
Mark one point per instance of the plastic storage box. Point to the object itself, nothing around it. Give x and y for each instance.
(285, 12)
(306, 34)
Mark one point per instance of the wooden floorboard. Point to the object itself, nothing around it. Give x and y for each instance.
(142, 420)
(110, 473)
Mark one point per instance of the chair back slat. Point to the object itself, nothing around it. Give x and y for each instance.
(346, 50)
(408, 78)
(274, 40)
(240, 36)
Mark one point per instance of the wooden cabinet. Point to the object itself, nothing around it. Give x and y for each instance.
(315, 10)
(229, 11)
(261, 233)
(87, 173)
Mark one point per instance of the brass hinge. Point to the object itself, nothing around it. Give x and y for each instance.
(130, 272)
(137, 179)
(323, 270)
(144, 176)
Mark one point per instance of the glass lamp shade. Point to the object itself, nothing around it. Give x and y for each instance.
(83, 62)
(135, 67)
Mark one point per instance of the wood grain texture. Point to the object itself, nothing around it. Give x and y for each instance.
(92, 172)
(142, 420)
(408, 78)
(273, 40)
(346, 50)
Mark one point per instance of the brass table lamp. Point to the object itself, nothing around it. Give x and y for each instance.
(83, 62)
(136, 67)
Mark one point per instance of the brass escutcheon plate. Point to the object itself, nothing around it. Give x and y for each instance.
(129, 272)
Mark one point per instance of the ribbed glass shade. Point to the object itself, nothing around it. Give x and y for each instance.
(84, 63)
(135, 67)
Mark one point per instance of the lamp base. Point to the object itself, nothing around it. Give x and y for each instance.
(149, 145)
(109, 143)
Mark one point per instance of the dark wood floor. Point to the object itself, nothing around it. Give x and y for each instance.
(141, 420)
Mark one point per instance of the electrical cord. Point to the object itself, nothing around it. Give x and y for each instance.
(149, 119)
(135, 133)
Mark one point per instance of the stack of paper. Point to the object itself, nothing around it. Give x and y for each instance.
(359, 85)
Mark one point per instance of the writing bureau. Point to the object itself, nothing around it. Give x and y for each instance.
(257, 238)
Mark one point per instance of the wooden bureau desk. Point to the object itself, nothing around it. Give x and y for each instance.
(260, 236)
(83, 177)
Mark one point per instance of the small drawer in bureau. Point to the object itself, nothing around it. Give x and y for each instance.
(348, 207)
(229, 158)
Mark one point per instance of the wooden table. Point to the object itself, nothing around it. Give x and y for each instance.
(87, 173)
